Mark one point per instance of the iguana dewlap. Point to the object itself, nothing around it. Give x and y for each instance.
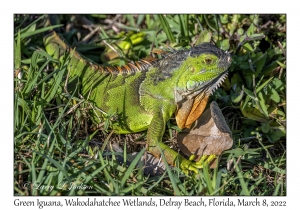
(146, 93)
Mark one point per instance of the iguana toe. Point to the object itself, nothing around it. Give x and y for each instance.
(190, 165)
(205, 159)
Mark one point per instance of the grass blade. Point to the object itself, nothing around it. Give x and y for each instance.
(166, 27)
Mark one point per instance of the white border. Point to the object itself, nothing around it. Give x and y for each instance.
(137, 7)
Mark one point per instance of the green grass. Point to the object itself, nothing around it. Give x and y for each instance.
(55, 145)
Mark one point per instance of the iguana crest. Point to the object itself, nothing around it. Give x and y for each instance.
(131, 68)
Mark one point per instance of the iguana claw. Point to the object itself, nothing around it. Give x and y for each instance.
(189, 165)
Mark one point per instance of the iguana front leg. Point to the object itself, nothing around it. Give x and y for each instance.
(155, 133)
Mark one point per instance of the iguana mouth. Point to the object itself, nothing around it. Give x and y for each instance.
(208, 87)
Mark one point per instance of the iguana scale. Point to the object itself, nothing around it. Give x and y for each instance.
(146, 93)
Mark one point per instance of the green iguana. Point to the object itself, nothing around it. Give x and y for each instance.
(146, 93)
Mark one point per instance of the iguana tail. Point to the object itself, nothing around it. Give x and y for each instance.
(57, 48)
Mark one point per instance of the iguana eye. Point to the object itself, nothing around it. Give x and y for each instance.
(208, 60)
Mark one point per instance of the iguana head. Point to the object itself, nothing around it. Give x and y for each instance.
(202, 71)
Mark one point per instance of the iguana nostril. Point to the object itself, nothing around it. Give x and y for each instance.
(229, 59)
